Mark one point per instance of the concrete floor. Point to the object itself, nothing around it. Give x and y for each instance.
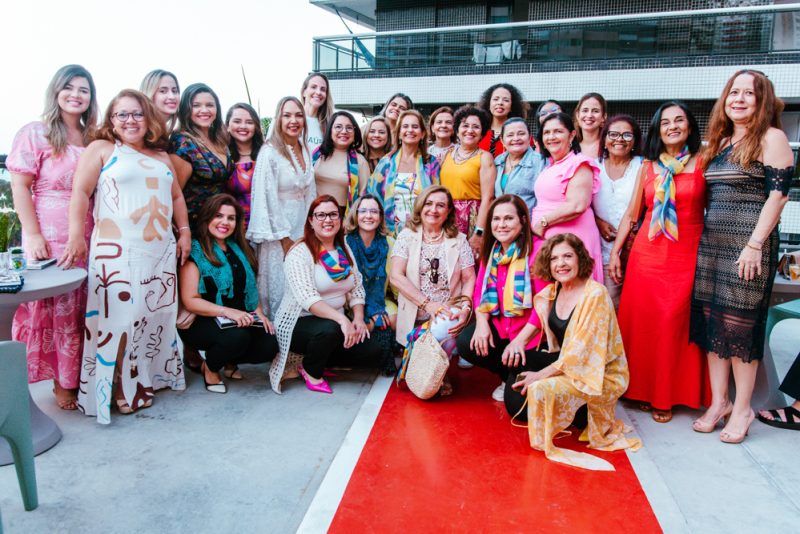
(252, 461)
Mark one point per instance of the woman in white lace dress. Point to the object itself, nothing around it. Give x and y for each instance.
(282, 190)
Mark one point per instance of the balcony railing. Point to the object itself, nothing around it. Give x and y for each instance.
(681, 34)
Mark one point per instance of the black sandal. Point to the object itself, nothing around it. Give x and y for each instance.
(791, 415)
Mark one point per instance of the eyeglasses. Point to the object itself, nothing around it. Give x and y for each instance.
(368, 211)
(123, 116)
(434, 272)
(332, 215)
(625, 136)
(548, 111)
(339, 128)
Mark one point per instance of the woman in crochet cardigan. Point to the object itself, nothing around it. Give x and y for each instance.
(321, 279)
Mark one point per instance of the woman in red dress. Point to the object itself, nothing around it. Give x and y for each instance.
(665, 369)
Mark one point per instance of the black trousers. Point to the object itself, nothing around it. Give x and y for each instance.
(535, 360)
(791, 382)
(321, 342)
(232, 345)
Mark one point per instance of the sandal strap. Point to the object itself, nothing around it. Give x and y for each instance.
(792, 414)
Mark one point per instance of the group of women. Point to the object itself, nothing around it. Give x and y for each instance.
(326, 242)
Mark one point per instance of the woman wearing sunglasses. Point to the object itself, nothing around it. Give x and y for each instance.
(432, 264)
(321, 279)
(620, 161)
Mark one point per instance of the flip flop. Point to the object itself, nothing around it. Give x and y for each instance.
(791, 421)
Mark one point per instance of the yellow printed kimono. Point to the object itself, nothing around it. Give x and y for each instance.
(594, 372)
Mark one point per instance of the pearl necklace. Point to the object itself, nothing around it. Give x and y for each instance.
(435, 239)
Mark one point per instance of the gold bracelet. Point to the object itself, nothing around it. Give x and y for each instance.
(425, 302)
(754, 248)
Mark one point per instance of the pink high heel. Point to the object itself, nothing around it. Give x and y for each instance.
(728, 437)
(706, 428)
(322, 387)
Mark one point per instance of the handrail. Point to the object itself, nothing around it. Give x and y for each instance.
(779, 8)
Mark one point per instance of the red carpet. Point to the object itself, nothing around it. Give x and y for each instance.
(456, 463)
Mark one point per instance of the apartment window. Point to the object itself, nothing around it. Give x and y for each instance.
(499, 12)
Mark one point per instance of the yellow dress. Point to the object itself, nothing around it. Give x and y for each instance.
(595, 372)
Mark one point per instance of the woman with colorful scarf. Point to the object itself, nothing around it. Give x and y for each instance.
(503, 296)
(339, 170)
(219, 284)
(366, 236)
(321, 280)
(405, 172)
(666, 370)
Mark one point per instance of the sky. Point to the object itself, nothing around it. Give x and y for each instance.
(199, 40)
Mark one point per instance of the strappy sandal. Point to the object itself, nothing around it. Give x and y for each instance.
(662, 416)
(789, 421)
(70, 403)
(233, 373)
(123, 407)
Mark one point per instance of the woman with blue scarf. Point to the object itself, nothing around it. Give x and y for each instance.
(218, 285)
(371, 247)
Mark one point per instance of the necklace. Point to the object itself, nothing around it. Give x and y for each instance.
(432, 239)
(458, 157)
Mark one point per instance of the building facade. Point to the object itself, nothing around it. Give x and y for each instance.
(637, 53)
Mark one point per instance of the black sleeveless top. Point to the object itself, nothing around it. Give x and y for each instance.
(556, 324)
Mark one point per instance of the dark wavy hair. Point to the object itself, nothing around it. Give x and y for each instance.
(156, 136)
(541, 267)
(310, 237)
(636, 149)
(216, 132)
(565, 120)
(258, 137)
(207, 213)
(654, 145)
(326, 148)
(519, 107)
(471, 111)
(524, 239)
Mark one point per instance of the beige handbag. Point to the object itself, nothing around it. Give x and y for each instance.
(427, 366)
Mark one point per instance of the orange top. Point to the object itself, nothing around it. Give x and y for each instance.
(462, 179)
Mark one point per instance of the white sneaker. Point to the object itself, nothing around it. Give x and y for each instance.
(464, 364)
(499, 392)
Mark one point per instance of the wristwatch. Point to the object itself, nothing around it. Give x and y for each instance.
(478, 231)
(543, 221)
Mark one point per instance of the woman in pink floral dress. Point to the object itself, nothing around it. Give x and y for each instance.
(42, 161)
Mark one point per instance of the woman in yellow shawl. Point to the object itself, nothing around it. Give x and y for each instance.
(578, 320)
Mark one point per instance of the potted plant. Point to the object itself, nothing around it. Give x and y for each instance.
(8, 223)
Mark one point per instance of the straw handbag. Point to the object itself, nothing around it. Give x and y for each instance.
(426, 367)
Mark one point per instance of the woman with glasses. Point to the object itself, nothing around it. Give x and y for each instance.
(130, 347)
(620, 161)
(519, 166)
(590, 117)
(432, 266)
(322, 279)
(392, 109)
(666, 370)
(367, 238)
(339, 170)
(501, 101)
(546, 108)
(42, 162)
(404, 172)
(201, 141)
(377, 141)
(282, 189)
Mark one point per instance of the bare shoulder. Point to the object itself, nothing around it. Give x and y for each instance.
(776, 151)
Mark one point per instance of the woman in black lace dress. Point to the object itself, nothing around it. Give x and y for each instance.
(749, 167)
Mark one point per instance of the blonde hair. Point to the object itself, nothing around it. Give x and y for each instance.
(325, 111)
(149, 87)
(415, 221)
(351, 222)
(55, 129)
(276, 140)
(423, 143)
(367, 150)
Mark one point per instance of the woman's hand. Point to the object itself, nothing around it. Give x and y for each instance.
(475, 243)
(482, 338)
(538, 229)
(463, 318)
(184, 247)
(362, 332)
(373, 324)
(749, 263)
(514, 353)
(436, 309)
(268, 326)
(242, 318)
(615, 268)
(528, 378)
(607, 230)
(350, 333)
(74, 252)
(38, 247)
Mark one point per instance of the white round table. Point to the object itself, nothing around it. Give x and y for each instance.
(48, 282)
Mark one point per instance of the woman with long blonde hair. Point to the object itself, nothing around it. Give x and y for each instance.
(748, 169)
(42, 162)
(161, 86)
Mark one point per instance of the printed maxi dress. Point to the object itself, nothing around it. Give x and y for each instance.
(51, 328)
(130, 335)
